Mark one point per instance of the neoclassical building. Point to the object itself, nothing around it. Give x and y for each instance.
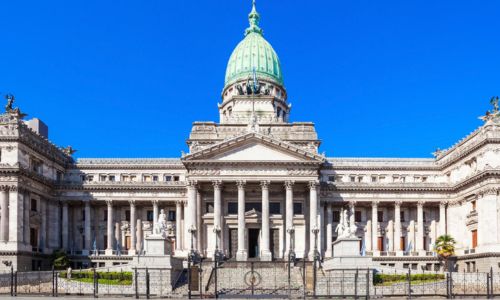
(253, 185)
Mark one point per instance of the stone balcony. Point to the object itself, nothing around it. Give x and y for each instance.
(471, 218)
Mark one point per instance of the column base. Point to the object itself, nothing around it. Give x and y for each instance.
(242, 255)
(108, 252)
(266, 255)
(329, 253)
(132, 252)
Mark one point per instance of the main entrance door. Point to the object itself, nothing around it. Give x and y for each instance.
(253, 242)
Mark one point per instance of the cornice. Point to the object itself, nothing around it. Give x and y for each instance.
(410, 187)
(120, 185)
(128, 163)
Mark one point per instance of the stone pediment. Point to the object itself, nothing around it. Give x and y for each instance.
(253, 214)
(254, 147)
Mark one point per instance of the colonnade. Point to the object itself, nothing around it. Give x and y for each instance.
(372, 225)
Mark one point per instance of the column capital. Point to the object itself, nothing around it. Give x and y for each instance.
(264, 184)
(314, 184)
(178, 202)
(109, 203)
(420, 203)
(192, 184)
(289, 184)
(241, 184)
(398, 203)
(217, 184)
(443, 202)
(131, 202)
(352, 204)
(155, 201)
(4, 188)
(375, 203)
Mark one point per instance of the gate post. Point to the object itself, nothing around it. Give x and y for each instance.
(136, 285)
(57, 284)
(147, 283)
(356, 284)
(215, 277)
(15, 283)
(95, 283)
(368, 284)
(251, 279)
(314, 275)
(488, 286)
(189, 275)
(11, 281)
(409, 283)
(491, 282)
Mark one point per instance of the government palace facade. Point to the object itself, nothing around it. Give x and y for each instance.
(252, 186)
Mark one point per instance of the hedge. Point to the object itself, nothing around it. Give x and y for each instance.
(381, 278)
(101, 275)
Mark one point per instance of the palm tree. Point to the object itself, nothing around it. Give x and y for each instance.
(445, 248)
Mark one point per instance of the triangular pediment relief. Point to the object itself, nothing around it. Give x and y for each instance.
(254, 147)
(253, 214)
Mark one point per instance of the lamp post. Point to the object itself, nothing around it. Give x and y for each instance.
(291, 257)
(217, 256)
(315, 231)
(191, 258)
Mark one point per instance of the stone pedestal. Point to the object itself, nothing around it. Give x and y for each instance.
(158, 252)
(346, 255)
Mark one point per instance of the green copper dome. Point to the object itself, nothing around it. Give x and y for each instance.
(253, 52)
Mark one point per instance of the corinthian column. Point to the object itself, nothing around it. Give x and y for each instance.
(191, 206)
(178, 227)
(65, 226)
(265, 253)
(420, 224)
(329, 231)
(109, 248)
(375, 226)
(313, 217)
(397, 226)
(133, 229)
(217, 214)
(88, 233)
(241, 254)
(155, 215)
(289, 215)
(442, 218)
(4, 214)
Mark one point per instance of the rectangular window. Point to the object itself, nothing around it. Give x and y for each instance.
(127, 215)
(149, 216)
(402, 243)
(274, 208)
(473, 204)
(380, 216)
(209, 207)
(336, 216)
(232, 208)
(112, 178)
(253, 205)
(357, 216)
(297, 208)
(33, 237)
(374, 178)
(352, 178)
(155, 178)
(168, 178)
(34, 205)
(59, 176)
(176, 178)
(331, 178)
(171, 216)
(474, 238)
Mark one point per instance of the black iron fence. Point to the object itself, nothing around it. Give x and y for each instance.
(233, 279)
(139, 283)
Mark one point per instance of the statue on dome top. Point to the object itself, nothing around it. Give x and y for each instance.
(10, 101)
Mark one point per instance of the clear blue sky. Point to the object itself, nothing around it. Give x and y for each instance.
(128, 78)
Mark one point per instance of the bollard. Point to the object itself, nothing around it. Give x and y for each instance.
(147, 284)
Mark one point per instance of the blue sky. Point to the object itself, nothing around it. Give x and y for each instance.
(128, 78)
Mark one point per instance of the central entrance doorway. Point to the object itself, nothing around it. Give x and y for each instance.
(253, 243)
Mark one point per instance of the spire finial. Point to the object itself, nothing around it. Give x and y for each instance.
(253, 19)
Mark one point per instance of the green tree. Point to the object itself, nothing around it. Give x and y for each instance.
(60, 259)
(445, 248)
